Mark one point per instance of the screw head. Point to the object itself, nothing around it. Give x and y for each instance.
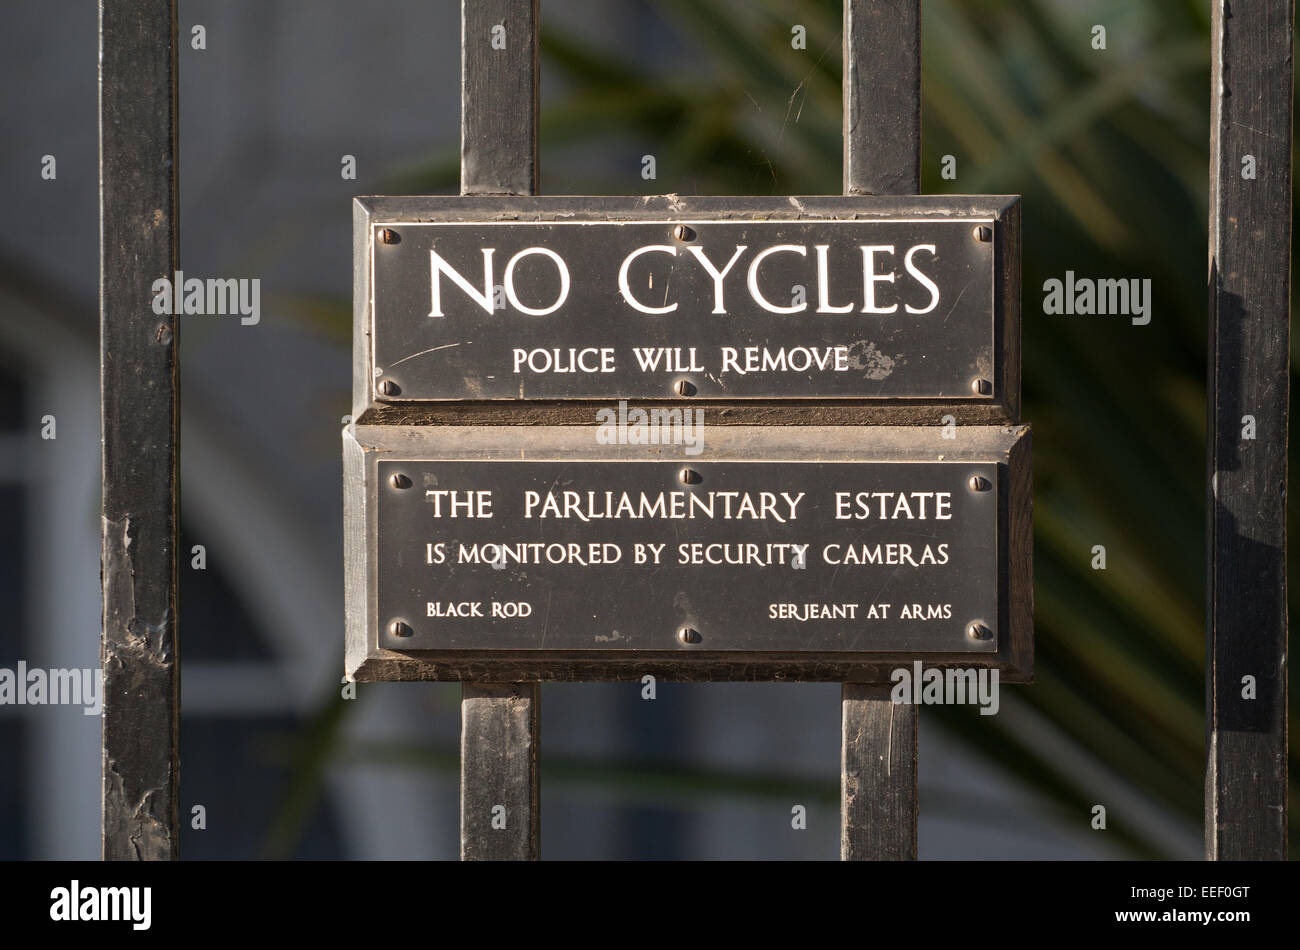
(982, 233)
(389, 236)
(389, 388)
(688, 476)
(400, 628)
(683, 233)
(685, 387)
(979, 483)
(981, 386)
(978, 631)
(689, 635)
(398, 480)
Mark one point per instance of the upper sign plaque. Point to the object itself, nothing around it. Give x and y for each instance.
(886, 299)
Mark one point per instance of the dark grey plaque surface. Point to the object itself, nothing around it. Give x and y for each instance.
(467, 302)
(543, 555)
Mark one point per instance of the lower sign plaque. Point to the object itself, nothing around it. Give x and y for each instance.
(731, 555)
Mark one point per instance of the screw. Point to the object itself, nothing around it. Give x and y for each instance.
(389, 388)
(398, 480)
(399, 628)
(685, 387)
(683, 233)
(983, 234)
(981, 387)
(689, 635)
(389, 236)
(979, 483)
(689, 476)
(977, 631)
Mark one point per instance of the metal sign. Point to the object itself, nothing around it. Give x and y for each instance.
(892, 556)
(797, 544)
(561, 298)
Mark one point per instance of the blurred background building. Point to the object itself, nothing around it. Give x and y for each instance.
(1109, 148)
